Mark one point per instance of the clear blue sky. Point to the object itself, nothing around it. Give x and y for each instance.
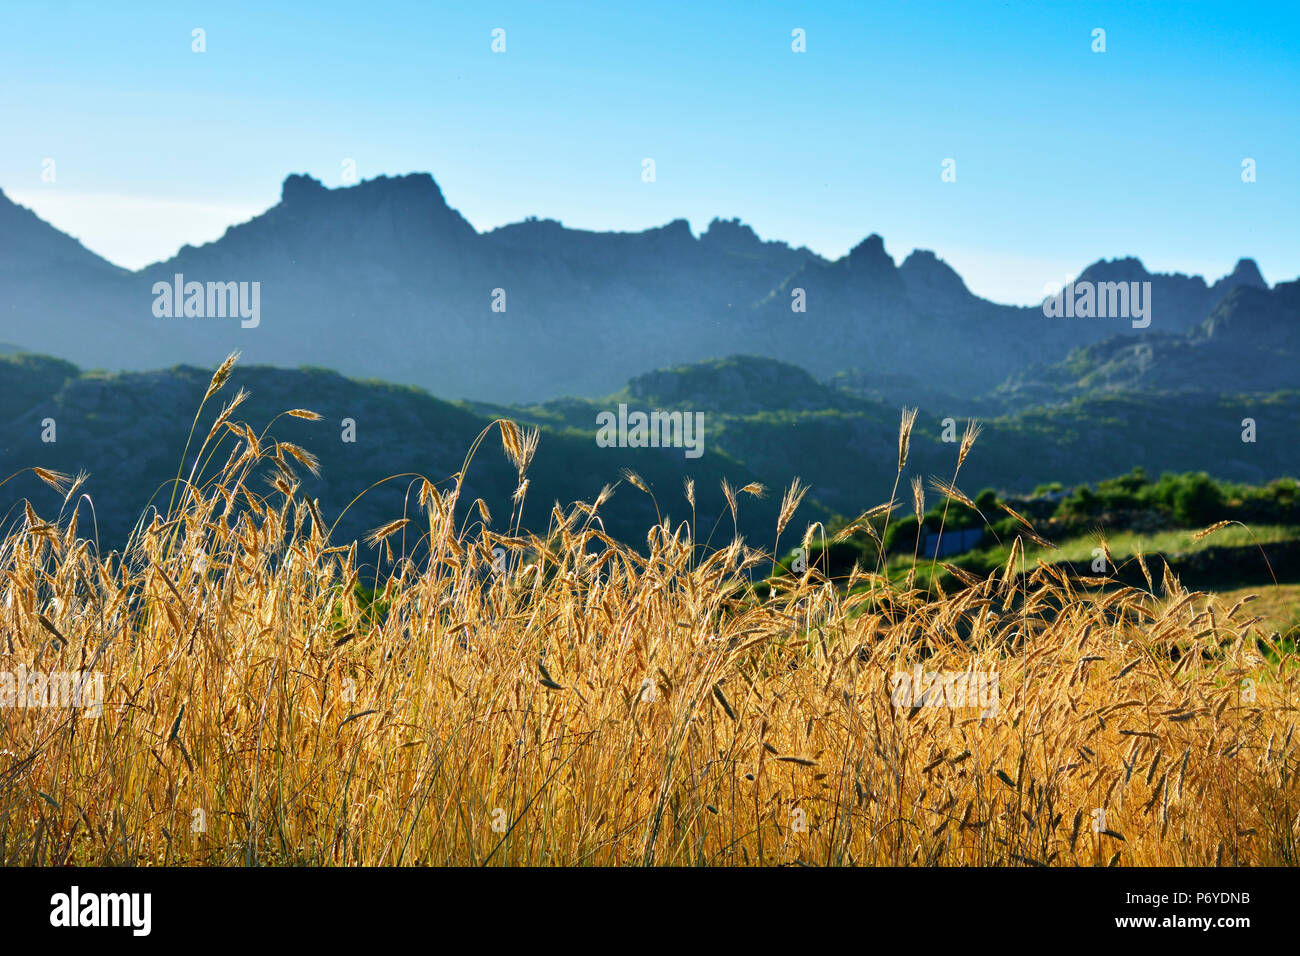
(1063, 155)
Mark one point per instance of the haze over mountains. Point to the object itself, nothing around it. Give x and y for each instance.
(386, 280)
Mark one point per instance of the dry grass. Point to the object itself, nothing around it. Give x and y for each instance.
(582, 703)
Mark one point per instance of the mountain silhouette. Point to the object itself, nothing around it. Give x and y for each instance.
(386, 280)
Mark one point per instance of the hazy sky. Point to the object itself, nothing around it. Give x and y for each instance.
(1062, 155)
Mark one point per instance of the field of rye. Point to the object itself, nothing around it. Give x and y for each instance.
(509, 698)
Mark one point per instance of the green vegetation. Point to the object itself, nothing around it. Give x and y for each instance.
(1128, 515)
(766, 423)
(1191, 499)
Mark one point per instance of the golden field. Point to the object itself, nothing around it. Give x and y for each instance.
(564, 699)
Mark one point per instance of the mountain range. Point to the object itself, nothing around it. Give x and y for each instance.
(386, 280)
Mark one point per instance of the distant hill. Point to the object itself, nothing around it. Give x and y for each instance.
(128, 431)
(386, 280)
(1249, 343)
(765, 421)
(780, 421)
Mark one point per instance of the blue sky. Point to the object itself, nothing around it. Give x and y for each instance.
(1063, 155)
